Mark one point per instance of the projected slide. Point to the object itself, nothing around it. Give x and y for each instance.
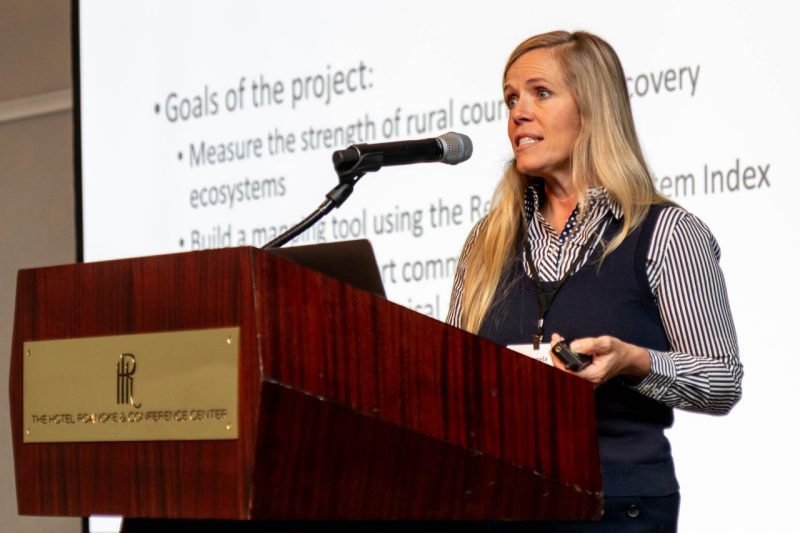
(210, 124)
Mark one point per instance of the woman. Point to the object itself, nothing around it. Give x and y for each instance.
(578, 244)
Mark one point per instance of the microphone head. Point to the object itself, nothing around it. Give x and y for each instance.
(456, 147)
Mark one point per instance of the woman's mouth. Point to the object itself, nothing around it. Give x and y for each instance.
(526, 139)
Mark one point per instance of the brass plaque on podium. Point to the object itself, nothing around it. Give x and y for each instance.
(180, 385)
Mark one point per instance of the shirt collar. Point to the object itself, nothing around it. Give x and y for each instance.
(597, 198)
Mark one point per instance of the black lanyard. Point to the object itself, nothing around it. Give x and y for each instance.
(546, 296)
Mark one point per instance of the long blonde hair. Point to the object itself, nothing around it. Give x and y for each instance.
(606, 153)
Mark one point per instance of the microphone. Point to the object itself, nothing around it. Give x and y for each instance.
(451, 148)
(358, 159)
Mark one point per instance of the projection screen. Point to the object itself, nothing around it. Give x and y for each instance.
(206, 124)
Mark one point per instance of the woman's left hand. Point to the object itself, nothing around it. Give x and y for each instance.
(610, 358)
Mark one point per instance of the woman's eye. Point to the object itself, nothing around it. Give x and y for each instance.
(543, 93)
(511, 101)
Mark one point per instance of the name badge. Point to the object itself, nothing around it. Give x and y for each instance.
(542, 354)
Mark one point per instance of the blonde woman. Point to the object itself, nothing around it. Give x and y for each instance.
(578, 244)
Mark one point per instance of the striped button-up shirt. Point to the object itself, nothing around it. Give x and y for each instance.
(702, 372)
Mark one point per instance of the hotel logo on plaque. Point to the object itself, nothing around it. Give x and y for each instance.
(126, 368)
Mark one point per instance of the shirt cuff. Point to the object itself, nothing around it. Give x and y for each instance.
(662, 375)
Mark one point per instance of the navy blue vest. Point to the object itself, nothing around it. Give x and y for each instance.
(614, 299)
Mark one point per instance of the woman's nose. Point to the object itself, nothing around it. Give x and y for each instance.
(521, 112)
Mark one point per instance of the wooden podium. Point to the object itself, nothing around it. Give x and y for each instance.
(350, 407)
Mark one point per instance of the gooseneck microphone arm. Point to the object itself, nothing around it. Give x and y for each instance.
(356, 160)
(334, 198)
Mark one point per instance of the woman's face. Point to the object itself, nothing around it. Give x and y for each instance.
(543, 119)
